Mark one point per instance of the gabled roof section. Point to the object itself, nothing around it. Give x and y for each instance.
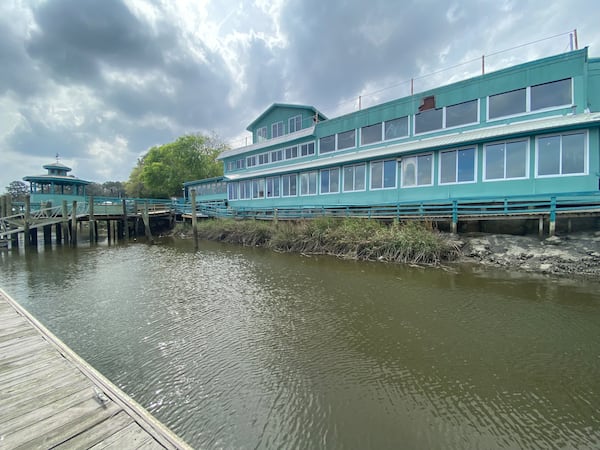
(285, 105)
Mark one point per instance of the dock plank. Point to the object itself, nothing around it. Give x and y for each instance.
(50, 397)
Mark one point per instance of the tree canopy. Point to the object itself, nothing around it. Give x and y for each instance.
(17, 190)
(161, 172)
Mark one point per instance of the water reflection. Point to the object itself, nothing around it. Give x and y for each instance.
(236, 347)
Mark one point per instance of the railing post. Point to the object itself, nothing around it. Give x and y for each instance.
(74, 224)
(26, 218)
(194, 218)
(92, 221)
(125, 221)
(552, 224)
(454, 226)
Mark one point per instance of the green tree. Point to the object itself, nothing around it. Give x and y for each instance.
(161, 172)
(17, 190)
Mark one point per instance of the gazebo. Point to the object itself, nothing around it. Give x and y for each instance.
(56, 185)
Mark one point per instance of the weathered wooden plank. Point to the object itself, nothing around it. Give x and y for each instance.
(55, 430)
(30, 366)
(10, 334)
(132, 436)
(21, 347)
(10, 365)
(27, 417)
(98, 433)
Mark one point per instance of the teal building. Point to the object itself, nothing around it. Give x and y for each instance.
(525, 130)
(56, 185)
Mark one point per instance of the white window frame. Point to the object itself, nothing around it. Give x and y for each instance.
(448, 183)
(329, 169)
(277, 129)
(274, 181)
(279, 156)
(251, 161)
(409, 124)
(528, 101)
(527, 158)
(354, 166)
(263, 158)
(308, 174)
(307, 145)
(293, 123)
(586, 161)
(232, 191)
(257, 183)
(290, 148)
(261, 134)
(289, 176)
(381, 133)
(416, 157)
(444, 125)
(383, 161)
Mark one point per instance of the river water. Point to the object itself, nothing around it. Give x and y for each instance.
(245, 348)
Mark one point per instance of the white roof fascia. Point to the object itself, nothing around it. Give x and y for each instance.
(268, 143)
(457, 139)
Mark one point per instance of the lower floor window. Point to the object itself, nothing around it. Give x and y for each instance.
(232, 191)
(245, 190)
(383, 174)
(258, 188)
(330, 181)
(308, 183)
(354, 177)
(272, 187)
(457, 166)
(564, 154)
(505, 160)
(289, 185)
(417, 170)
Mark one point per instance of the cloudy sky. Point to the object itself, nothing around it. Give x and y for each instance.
(101, 81)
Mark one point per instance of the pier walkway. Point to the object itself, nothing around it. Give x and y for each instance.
(51, 398)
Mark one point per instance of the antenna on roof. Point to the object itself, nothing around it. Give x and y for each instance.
(57, 157)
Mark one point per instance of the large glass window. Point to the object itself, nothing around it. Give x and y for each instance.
(330, 180)
(289, 185)
(251, 161)
(417, 170)
(457, 166)
(461, 114)
(507, 103)
(370, 134)
(564, 154)
(429, 120)
(277, 129)
(354, 177)
(383, 174)
(245, 189)
(232, 191)
(346, 139)
(396, 128)
(307, 149)
(295, 123)
(505, 160)
(258, 188)
(308, 183)
(239, 164)
(272, 187)
(327, 144)
(548, 95)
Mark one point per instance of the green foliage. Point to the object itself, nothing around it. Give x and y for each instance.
(17, 190)
(161, 172)
(107, 189)
(410, 242)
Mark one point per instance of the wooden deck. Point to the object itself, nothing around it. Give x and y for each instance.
(50, 398)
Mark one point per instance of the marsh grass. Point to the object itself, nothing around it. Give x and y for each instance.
(363, 239)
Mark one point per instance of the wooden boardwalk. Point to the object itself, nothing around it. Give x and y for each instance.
(50, 398)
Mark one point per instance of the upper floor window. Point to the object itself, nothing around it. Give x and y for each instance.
(261, 134)
(263, 158)
(276, 155)
(291, 152)
(447, 117)
(277, 129)
(327, 144)
(307, 149)
(563, 154)
(340, 141)
(396, 128)
(555, 94)
(251, 161)
(295, 123)
(371, 134)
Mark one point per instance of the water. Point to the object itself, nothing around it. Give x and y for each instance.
(246, 348)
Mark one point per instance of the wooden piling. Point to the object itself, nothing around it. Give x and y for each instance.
(47, 235)
(92, 222)
(74, 224)
(194, 218)
(26, 234)
(65, 222)
(541, 227)
(125, 221)
(58, 233)
(146, 219)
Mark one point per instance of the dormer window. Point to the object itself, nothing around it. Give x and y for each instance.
(261, 134)
(277, 129)
(295, 124)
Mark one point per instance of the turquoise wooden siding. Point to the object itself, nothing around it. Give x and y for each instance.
(585, 76)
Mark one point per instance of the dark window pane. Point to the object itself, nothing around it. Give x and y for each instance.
(507, 104)
(327, 144)
(389, 173)
(557, 93)
(573, 153)
(516, 159)
(428, 120)
(370, 134)
(396, 128)
(549, 155)
(494, 161)
(466, 165)
(461, 114)
(346, 139)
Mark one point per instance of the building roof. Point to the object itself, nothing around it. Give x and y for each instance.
(286, 138)
(487, 134)
(58, 166)
(285, 105)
